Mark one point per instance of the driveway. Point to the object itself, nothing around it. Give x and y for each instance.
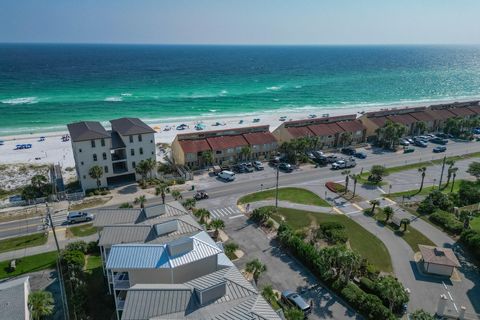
(284, 272)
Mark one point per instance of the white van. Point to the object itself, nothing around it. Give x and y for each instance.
(227, 175)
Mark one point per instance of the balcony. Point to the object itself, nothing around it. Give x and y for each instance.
(120, 304)
(118, 157)
(119, 167)
(121, 281)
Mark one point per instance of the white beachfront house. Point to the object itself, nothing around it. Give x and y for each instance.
(116, 151)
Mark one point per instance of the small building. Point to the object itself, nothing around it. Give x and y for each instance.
(116, 151)
(226, 146)
(14, 299)
(436, 260)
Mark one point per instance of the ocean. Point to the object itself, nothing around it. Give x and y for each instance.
(44, 87)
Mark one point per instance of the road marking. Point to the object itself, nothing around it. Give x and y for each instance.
(357, 206)
(237, 216)
(381, 190)
(455, 306)
(390, 200)
(214, 213)
(337, 210)
(450, 295)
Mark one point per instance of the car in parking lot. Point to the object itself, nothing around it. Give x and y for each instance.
(360, 155)
(287, 167)
(404, 142)
(239, 168)
(349, 151)
(79, 216)
(408, 149)
(258, 165)
(421, 143)
(332, 158)
(439, 149)
(344, 163)
(248, 167)
(275, 161)
(438, 140)
(410, 140)
(442, 135)
(293, 299)
(227, 175)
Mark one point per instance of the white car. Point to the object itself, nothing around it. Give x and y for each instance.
(227, 175)
(79, 216)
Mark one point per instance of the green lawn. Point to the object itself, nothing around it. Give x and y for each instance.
(475, 223)
(295, 195)
(32, 240)
(29, 264)
(426, 190)
(89, 203)
(362, 241)
(412, 236)
(82, 230)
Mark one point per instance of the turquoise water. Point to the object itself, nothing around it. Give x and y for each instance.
(44, 87)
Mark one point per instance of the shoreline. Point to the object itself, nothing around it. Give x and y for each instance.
(53, 150)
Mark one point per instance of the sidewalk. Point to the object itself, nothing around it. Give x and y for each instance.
(287, 204)
(49, 246)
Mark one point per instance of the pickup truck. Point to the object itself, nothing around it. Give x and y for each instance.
(343, 164)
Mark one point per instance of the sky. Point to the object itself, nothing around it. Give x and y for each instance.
(307, 22)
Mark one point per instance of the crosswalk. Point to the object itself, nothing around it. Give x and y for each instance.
(231, 211)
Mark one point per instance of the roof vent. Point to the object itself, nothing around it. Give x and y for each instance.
(439, 252)
(212, 293)
(166, 227)
(180, 246)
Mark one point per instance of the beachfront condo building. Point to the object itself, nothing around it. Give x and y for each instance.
(224, 146)
(161, 264)
(116, 151)
(331, 132)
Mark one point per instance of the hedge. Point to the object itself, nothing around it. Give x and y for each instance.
(367, 304)
(447, 221)
(471, 239)
(335, 187)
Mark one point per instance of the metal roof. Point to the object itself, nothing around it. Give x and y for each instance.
(129, 126)
(154, 256)
(124, 234)
(87, 130)
(13, 301)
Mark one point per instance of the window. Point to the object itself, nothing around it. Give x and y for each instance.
(81, 163)
(102, 142)
(218, 152)
(131, 139)
(94, 157)
(132, 152)
(230, 150)
(153, 152)
(133, 164)
(141, 150)
(139, 138)
(151, 141)
(80, 150)
(105, 169)
(84, 177)
(93, 143)
(104, 156)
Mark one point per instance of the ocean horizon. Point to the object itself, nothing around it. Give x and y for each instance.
(45, 86)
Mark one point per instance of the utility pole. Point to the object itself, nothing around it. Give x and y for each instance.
(441, 175)
(66, 313)
(276, 187)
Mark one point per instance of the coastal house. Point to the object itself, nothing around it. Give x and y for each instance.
(328, 130)
(14, 299)
(116, 151)
(440, 261)
(161, 264)
(464, 110)
(226, 146)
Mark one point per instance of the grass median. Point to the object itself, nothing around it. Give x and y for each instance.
(360, 240)
(28, 264)
(425, 191)
(83, 230)
(31, 240)
(294, 195)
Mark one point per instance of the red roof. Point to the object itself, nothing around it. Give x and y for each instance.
(404, 119)
(475, 109)
(194, 146)
(258, 138)
(442, 114)
(351, 126)
(422, 116)
(462, 112)
(321, 130)
(227, 142)
(298, 132)
(335, 128)
(379, 121)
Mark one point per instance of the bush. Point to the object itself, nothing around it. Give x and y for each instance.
(269, 224)
(435, 200)
(468, 193)
(471, 239)
(92, 247)
(179, 181)
(335, 187)
(368, 304)
(333, 232)
(74, 259)
(77, 246)
(447, 221)
(126, 205)
(367, 285)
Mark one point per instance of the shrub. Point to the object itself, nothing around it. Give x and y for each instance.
(269, 224)
(92, 247)
(367, 285)
(77, 245)
(333, 232)
(74, 259)
(180, 181)
(447, 221)
(368, 304)
(126, 205)
(468, 193)
(335, 187)
(471, 239)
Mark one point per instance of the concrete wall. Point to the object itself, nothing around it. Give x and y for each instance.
(194, 270)
(438, 269)
(144, 276)
(147, 145)
(282, 134)
(369, 125)
(177, 153)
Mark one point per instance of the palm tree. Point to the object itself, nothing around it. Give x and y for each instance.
(141, 201)
(189, 203)
(388, 211)
(421, 126)
(245, 152)
(160, 190)
(230, 248)
(176, 194)
(345, 138)
(96, 172)
(202, 214)
(38, 181)
(207, 157)
(256, 268)
(422, 170)
(217, 225)
(354, 177)
(293, 314)
(454, 175)
(143, 168)
(151, 165)
(374, 204)
(40, 304)
(450, 164)
(347, 178)
(405, 222)
(349, 261)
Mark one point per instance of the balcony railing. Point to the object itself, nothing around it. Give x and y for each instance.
(118, 157)
(120, 304)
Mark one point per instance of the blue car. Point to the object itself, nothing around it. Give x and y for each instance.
(439, 149)
(360, 155)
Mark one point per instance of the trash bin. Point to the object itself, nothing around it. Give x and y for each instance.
(193, 187)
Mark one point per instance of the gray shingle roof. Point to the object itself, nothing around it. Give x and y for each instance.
(87, 130)
(128, 126)
(12, 299)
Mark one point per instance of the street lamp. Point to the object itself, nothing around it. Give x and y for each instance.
(276, 187)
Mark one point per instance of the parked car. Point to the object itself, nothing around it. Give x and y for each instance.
(439, 141)
(408, 149)
(248, 167)
(439, 149)
(410, 140)
(275, 161)
(318, 154)
(342, 164)
(310, 155)
(421, 143)
(227, 175)
(239, 168)
(350, 151)
(79, 216)
(332, 158)
(258, 165)
(200, 194)
(285, 167)
(404, 142)
(321, 161)
(295, 300)
(360, 155)
(442, 135)
(476, 131)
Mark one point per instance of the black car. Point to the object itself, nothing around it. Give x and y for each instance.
(201, 194)
(360, 155)
(350, 151)
(439, 149)
(287, 167)
(439, 141)
(239, 168)
(275, 161)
